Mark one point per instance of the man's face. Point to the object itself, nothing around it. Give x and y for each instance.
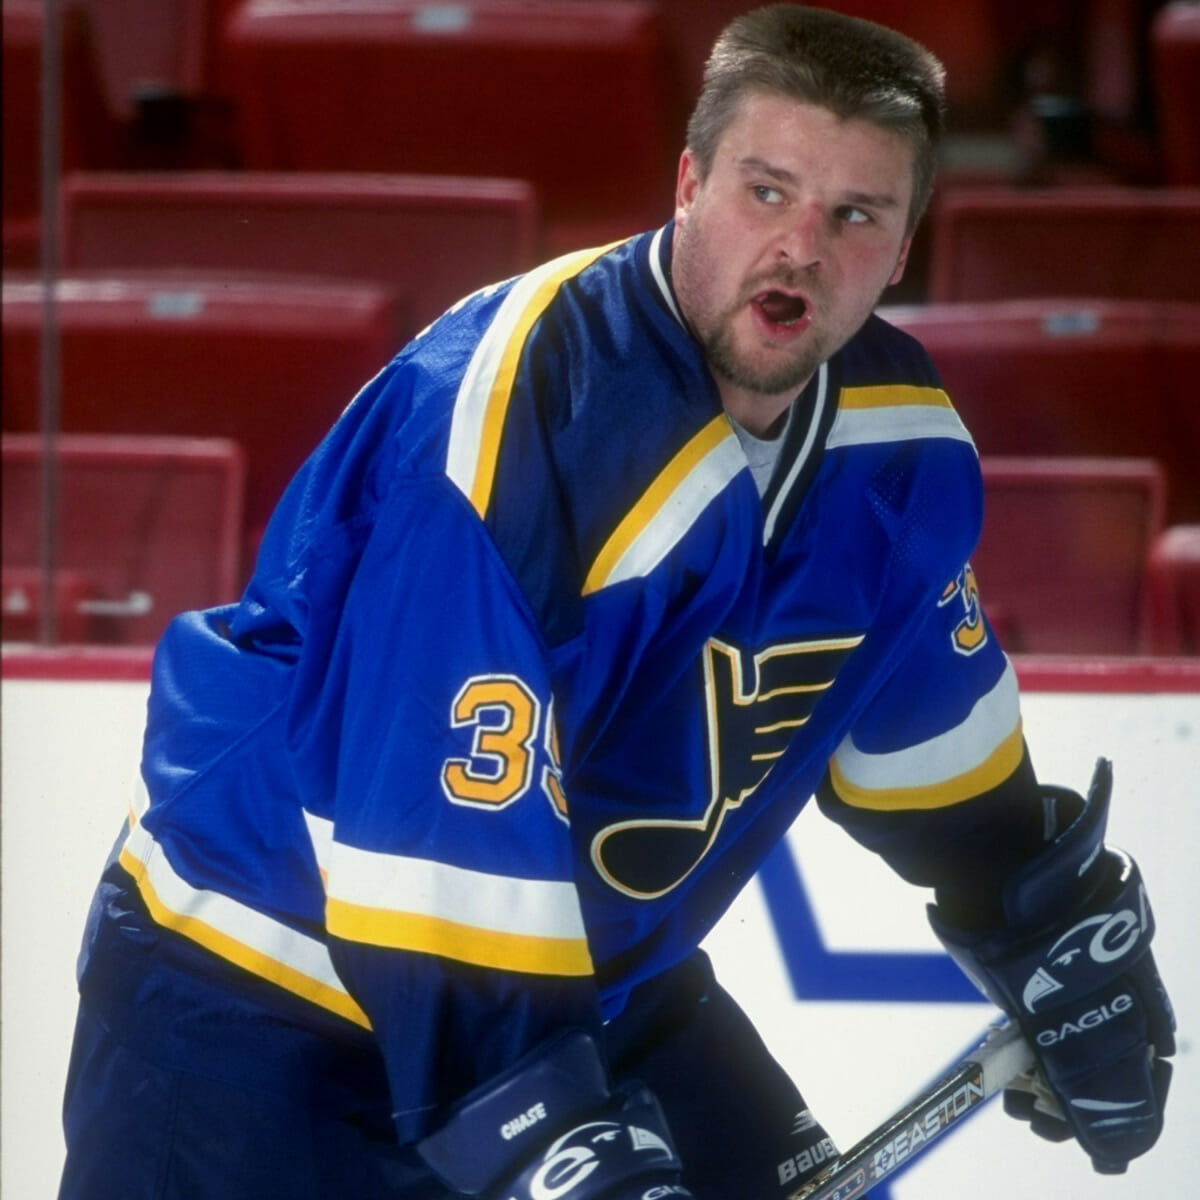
(783, 251)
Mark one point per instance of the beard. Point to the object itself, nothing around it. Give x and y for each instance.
(789, 374)
(772, 371)
(765, 370)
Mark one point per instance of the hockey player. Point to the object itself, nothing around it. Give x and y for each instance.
(585, 595)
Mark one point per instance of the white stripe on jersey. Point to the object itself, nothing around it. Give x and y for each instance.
(894, 414)
(235, 931)
(521, 925)
(802, 455)
(670, 505)
(660, 278)
(419, 886)
(984, 749)
(482, 401)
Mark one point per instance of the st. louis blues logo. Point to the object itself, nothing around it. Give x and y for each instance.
(755, 702)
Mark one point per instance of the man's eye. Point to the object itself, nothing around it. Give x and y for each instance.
(768, 195)
(854, 216)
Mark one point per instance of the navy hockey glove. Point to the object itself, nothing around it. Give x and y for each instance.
(550, 1128)
(1073, 967)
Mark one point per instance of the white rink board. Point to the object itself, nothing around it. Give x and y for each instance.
(69, 751)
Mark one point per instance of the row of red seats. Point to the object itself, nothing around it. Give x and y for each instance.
(1075, 557)
(1005, 243)
(271, 359)
(1063, 376)
(409, 246)
(268, 362)
(432, 239)
(445, 234)
(584, 99)
(987, 45)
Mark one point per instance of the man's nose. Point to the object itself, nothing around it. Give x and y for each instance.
(804, 240)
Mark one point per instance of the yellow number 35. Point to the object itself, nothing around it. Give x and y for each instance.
(506, 717)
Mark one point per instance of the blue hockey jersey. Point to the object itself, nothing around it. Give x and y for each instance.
(529, 677)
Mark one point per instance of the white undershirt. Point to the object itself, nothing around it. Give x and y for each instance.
(762, 453)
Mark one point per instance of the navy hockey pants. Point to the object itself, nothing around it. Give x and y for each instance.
(137, 1130)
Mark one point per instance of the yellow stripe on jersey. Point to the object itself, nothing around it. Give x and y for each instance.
(891, 395)
(236, 932)
(525, 925)
(669, 506)
(894, 413)
(974, 757)
(987, 775)
(463, 943)
(481, 406)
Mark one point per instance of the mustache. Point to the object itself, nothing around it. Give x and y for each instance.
(783, 277)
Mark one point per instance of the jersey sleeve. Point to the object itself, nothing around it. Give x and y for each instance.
(441, 829)
(935, 775)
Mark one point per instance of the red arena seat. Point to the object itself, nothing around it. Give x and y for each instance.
(21, 109)
(567, 94)
(1115, 242)
(86, 129)
(1073, 377)
(1173, 591)
(434, 238)
(1175, 78)
(144, 46)
(965, 35)
(73, 594)
(1061, 562)
(146, 527)
(160, 68)
(267, 363)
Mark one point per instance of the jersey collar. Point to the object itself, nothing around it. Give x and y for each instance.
(660, 271)
(808, 425)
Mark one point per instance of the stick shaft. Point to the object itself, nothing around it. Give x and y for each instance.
(986, 1070)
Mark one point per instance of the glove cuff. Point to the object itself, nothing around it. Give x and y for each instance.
(1061, 876)
(494, 1129)
(551, 1125)
(1027, 974)
(619, 1154)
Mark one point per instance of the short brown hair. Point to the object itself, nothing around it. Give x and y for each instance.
(852, 67)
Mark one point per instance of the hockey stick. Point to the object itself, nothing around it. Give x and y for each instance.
(987, 1069)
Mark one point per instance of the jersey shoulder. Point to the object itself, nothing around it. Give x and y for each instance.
(890, 391)
(882, 352)
(610, 443)
(898, 437)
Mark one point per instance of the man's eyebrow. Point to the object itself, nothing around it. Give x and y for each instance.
(752, 164)
(872, 199)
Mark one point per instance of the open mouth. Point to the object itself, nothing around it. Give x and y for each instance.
(780, 308)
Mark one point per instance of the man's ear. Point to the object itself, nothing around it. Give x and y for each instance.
(686, 184)
(902, 261)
